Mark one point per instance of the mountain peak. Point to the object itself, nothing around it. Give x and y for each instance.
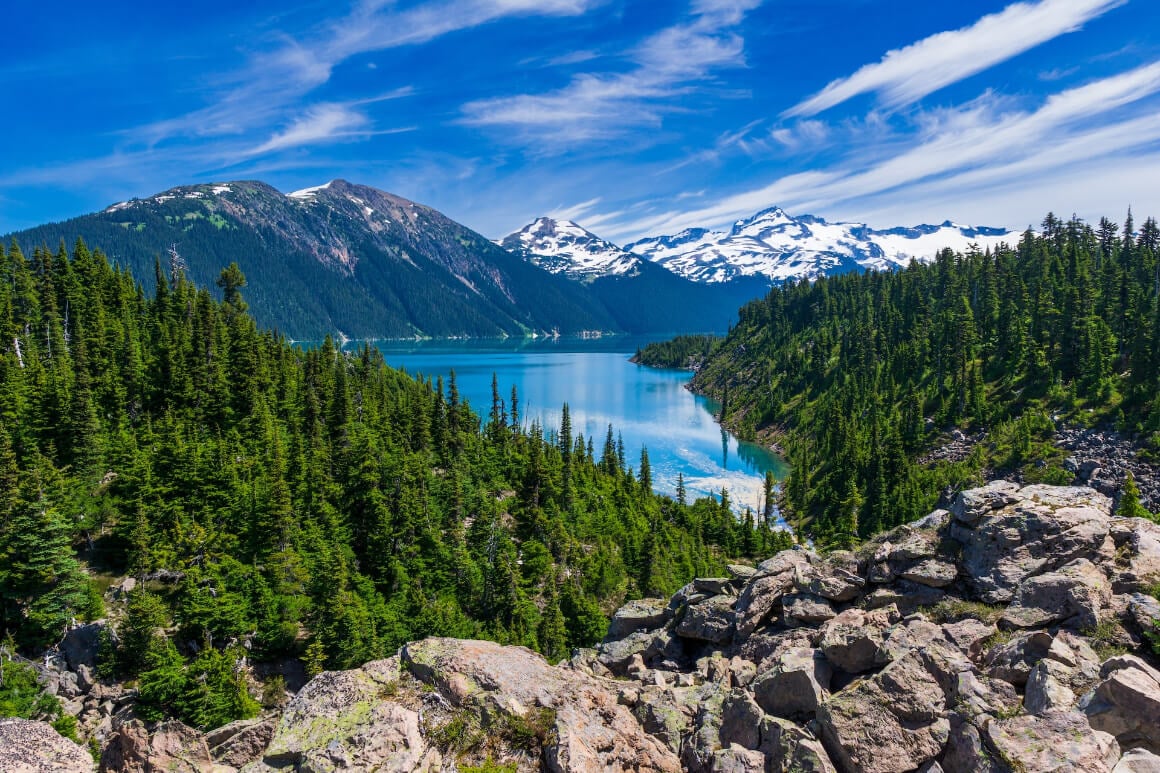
(565, 247)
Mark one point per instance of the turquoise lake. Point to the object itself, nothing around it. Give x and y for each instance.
(651, 408)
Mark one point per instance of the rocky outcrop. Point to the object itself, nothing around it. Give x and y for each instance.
(34, 747)
(961, 642)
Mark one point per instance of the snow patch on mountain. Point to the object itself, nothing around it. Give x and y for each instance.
(308, 193)
(563, 247)
(779, 246)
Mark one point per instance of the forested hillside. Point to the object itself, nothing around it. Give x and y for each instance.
(302, 503)
(859, 375)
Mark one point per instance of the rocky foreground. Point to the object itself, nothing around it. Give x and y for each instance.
(1010, 633)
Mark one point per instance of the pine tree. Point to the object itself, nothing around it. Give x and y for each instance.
(645, 473)
(1129, 505)
(553, 632)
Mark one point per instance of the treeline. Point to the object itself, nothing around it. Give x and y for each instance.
(297, 503)
(686, 352)
(859, 376)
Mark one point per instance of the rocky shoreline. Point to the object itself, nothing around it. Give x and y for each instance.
(1012, 631)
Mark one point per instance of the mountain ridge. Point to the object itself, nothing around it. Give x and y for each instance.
(771, 245)
(780, 246)
(338, 258)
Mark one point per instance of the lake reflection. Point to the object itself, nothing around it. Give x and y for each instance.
(650, 408)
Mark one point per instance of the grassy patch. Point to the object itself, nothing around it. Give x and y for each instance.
(460, 733)
(490, 766)
(463, 733)
(953, 610)
(998, 639)
(1105, 638)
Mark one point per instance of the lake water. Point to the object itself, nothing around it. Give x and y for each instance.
(651, 408)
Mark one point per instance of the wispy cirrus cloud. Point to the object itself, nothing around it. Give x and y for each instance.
(597, 105)
(905, 75)
(275, 79)
(264, 106)
(984, 146)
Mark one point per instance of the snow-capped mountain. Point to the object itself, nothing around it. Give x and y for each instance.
(562, 247)
(779, 246)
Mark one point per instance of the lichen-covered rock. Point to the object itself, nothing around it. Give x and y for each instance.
(1055, 741)
(1039, 530)
(699, 747)
(242, 742)
(911, 633)
(1139, 544)
(1013, 660)
(1138, 761)
(663, 715)
(965, 750)
(713, 586)
(1144, 612)
(907, 596)
(969, 635)
(758, 600)
(27, 746)
(737, 759)
(81, 643)
(1127, 702)
(852, 640)
(972, 504)
(1075, 595)
(741, 720)
(891, 723)
(791, 748)
(345, 720)
(786, 561)
(172, 746)
(806, 609)
(591, 730)
(638, 615)
(932, 572)
(1047, 688)
(711, 620)
(835, 583)
(795, 685)
(740, 572)
(617, 654)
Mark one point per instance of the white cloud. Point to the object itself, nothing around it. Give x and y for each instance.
(906, 75)
(961, 154)
(576, 211)
(266, 92)
(324, 122)
(599, 105)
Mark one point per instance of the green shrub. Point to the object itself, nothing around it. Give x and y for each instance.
(22, 695)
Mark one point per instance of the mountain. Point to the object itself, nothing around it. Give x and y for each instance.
(641, 296)
(563, 247)
(338, 258)
(777, 246)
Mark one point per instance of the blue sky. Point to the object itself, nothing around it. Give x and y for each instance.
(634, 118)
